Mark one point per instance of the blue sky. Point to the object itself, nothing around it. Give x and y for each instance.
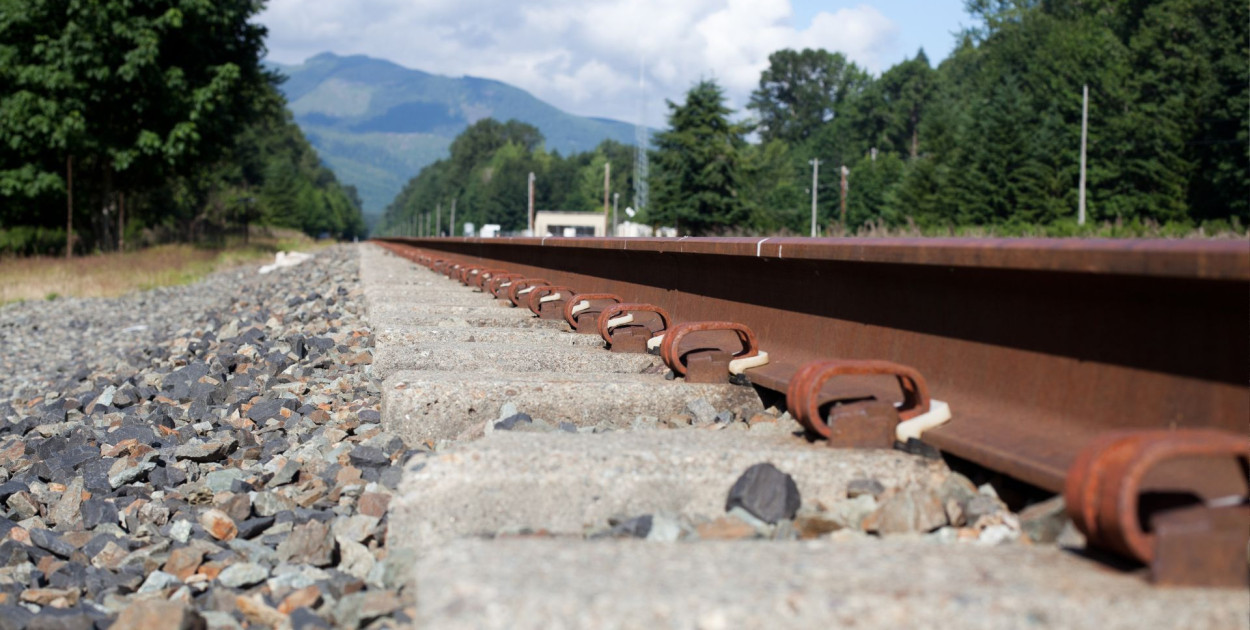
(921, 23)
(583, 56)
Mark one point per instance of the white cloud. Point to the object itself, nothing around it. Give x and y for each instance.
(580, 56)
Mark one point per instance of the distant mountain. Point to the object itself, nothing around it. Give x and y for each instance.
(376, 124)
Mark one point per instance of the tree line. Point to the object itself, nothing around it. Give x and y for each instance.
(129, 122)
(990, 137)
(486, 177)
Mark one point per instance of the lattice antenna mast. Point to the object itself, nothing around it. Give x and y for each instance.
(642, 140)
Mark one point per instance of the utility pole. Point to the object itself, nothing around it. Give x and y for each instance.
(438, 219)
(845, 172)
(616, 201)
(815, 174)
(451, 229)
(607, 175)
(1080, 204)
(531, 204)
(69, 207)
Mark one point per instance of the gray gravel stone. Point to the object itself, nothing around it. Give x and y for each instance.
(243, 574)
(909, 510)
(702, 411)
(210, 416)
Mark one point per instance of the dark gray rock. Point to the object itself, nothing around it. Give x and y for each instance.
(369, 457)
(95, 511)
(264, 410)
(95, 475)
(391, 476)
(49, 541)
(305, 619)
(50, 618)
(511, 422)
(637, 527)
(14, 617)
(252, 527)
(13, 553)
(9, 487)
(69, 575)
(766, 492)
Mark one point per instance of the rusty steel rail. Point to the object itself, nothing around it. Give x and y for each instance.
(1038, 345)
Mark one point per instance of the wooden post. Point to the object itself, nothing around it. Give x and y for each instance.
(1080, 204)
(531, 204)
(845, 172)
(607, 175)
(815, 178)
(438, 219)
(616, 201)
(69, 205)
(451, 230)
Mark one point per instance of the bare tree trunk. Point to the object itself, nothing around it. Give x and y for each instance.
(121, 222)
(104, 222)
(69, 207)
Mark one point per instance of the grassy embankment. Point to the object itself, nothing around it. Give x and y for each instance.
(113, 274)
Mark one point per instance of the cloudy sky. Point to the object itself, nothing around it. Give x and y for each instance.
(584, 57)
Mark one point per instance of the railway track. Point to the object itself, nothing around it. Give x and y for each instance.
(1111, 373)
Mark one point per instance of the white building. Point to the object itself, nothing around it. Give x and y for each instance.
(564, 223)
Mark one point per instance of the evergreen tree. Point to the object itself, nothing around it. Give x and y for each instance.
(696, 170)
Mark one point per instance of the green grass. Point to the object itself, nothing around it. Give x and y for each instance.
(114, 274)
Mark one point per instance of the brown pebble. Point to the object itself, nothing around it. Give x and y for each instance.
(258, 612)
(374, 504)
(219, 525)
(147, 614)
(183, 562)
(725, 528)
(762, 418)
(306, 597)
(55, 597)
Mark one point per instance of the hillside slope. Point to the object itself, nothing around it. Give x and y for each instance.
(376, 124)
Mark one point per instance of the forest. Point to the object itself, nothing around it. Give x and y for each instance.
(988, 139)
(132, 123)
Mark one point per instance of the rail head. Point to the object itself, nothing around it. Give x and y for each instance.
(1173, 258)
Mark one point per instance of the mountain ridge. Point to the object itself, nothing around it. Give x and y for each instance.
(376, 123)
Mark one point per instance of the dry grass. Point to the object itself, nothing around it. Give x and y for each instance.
(114, 274)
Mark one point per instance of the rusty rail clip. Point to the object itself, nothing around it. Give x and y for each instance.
(863, 423)
(631, 336)
(705, 364)
(519, 292)
(1194, 541)
(545, 308)
(467, 273)
(499, 283)
(483, 275)
(587, 321)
